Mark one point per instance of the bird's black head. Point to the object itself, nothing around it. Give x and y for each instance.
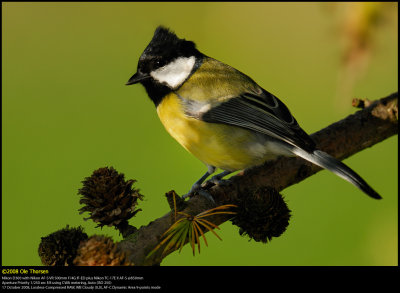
(165, 63)
(163, 49)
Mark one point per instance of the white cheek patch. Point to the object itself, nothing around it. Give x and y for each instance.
(176, 72)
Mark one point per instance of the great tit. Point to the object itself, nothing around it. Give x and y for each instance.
(221, 115)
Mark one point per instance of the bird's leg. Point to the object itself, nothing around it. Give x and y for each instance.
(197, 184)
(217, 179)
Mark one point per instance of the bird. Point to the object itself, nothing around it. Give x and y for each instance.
(221, 115)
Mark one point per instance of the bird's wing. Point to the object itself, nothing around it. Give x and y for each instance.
(261, 112)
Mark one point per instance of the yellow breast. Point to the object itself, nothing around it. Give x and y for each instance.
(219, 145)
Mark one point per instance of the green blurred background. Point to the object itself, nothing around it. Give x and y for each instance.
(67, 112)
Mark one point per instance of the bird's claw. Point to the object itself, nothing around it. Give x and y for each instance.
(205, 194)
(218, 181)
(196, 188)
(192, 190)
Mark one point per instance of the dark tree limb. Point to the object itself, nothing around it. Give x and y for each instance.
(376, 122)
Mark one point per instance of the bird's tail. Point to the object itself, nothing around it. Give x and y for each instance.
(328, 162)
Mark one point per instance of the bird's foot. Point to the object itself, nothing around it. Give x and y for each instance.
(192, 190)
(217, 179)
(205, 194)
(196, 188)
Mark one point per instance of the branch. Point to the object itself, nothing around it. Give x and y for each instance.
(375, 123)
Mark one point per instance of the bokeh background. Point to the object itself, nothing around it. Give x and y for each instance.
(67, 112)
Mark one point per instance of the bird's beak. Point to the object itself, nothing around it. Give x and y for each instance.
(137, 77)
